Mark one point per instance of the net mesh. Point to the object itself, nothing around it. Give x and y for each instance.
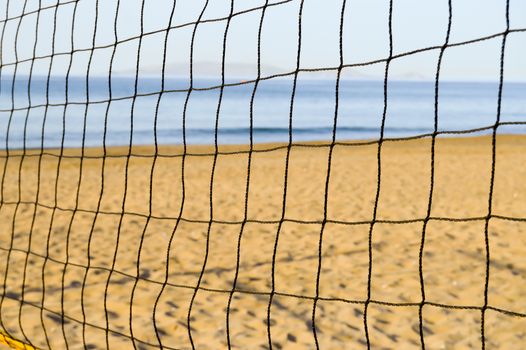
(189, 246)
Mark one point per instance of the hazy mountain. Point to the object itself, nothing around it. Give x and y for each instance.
(205, 69)
(235, 70)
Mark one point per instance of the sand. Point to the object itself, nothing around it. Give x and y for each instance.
(62, 242)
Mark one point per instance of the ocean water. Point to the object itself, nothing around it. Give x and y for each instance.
(86, 114)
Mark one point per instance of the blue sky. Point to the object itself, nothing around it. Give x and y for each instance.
(416, 24)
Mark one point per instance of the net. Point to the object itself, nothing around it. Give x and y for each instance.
(120, 229)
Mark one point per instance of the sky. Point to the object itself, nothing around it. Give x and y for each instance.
(416, 24)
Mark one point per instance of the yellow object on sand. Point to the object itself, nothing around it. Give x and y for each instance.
(13, 343)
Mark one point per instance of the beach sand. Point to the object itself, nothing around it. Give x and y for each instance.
(65, 234)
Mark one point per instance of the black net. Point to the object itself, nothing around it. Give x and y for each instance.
(156, 195)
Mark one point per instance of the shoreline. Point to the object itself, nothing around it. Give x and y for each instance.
(208, 149)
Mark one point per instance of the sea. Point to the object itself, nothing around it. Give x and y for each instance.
(80, 112)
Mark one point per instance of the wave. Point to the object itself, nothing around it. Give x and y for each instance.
(294, 130)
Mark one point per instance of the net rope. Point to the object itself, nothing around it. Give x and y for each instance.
(20, 336)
